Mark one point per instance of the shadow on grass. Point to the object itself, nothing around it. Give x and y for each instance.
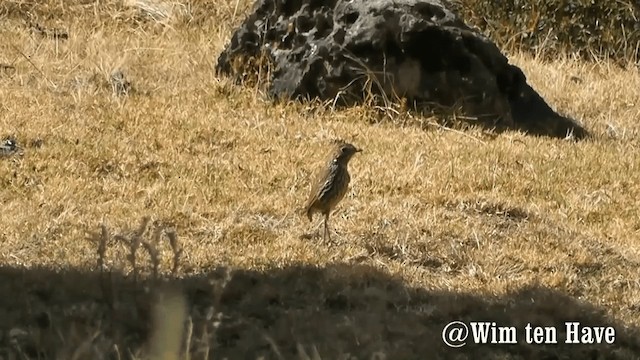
(341, 309)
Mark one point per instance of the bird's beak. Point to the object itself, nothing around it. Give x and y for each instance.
(358, 150)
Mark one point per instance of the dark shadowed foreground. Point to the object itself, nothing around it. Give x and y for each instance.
(337, 310)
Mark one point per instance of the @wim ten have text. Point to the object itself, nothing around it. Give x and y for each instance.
(458, 334)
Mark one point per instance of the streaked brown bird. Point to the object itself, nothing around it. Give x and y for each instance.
(331, 183)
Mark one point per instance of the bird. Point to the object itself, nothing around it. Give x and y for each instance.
(331, 183)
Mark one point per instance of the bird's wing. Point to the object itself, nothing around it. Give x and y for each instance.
(327, 180)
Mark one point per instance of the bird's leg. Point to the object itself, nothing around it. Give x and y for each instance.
(326, 228)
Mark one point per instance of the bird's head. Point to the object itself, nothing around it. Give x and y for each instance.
(344, 151)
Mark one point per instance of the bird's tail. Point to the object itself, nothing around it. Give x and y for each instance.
(307, 210)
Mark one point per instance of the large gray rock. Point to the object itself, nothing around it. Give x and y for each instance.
(418, 50)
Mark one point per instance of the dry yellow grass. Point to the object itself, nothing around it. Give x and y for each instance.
(468, 219)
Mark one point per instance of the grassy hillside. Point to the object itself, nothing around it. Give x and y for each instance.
(439, 225)
(585, 28)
